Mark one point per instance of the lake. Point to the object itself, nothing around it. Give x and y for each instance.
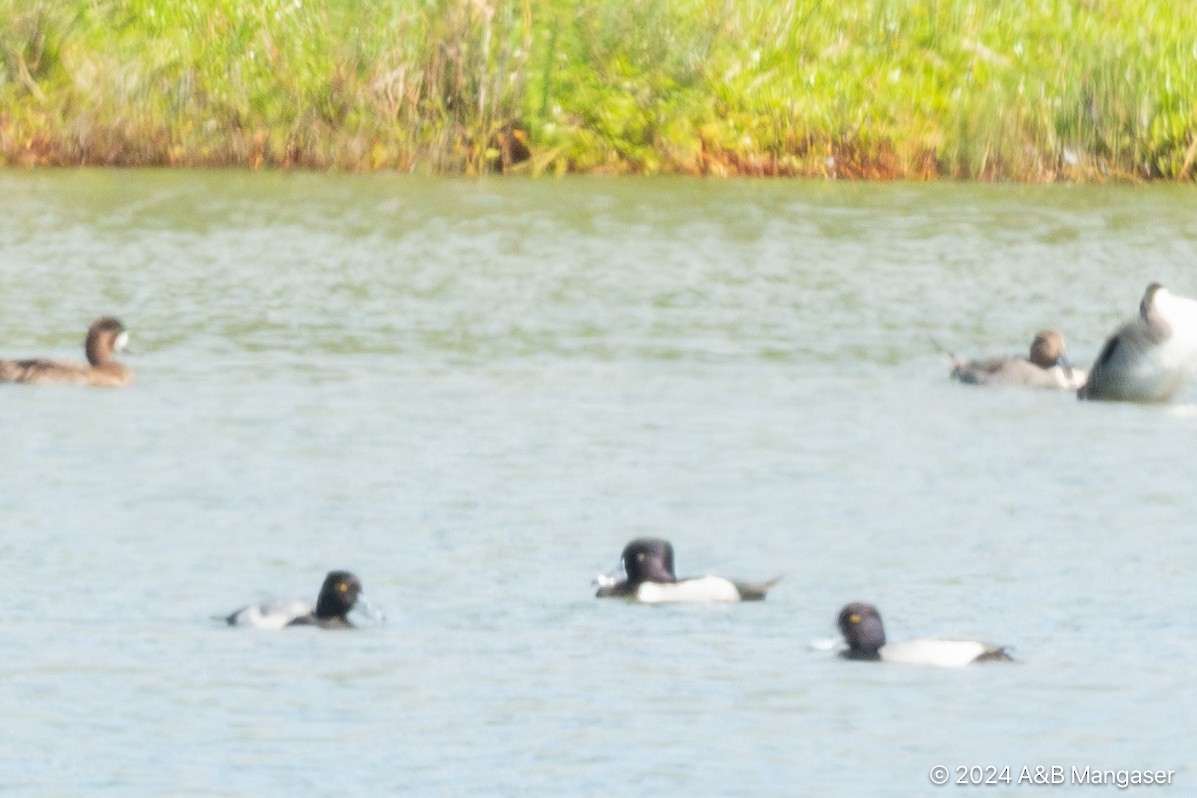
(473, 394)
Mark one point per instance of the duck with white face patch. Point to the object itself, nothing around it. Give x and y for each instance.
(105, 338)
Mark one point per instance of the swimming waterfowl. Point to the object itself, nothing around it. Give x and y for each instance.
(1046, 367)
(338, 595)
(860, 624)
(1149, 358)
(105, 338)
(648, 577)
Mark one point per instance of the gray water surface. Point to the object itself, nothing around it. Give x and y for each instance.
(472, 394)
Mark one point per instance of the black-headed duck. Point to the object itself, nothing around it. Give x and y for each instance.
(860, 624)
(648, 577)
(339, 594)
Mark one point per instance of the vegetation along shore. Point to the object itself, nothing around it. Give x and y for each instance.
(1032, 90)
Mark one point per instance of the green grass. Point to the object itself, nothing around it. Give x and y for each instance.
(982, 89)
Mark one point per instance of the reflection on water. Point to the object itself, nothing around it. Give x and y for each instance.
(473, 394)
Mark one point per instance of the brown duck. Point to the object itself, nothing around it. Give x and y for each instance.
(105, 338)
(1046, 367)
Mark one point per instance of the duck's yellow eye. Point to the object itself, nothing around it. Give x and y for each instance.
(343, 587)
(854, 618)
(640, 557)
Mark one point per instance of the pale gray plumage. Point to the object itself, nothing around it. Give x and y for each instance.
(339, 594)
(1046, 367)
(1150, 358)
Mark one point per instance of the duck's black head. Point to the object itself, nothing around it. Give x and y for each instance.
(860, 624)
(643, 560)
(338, 595)
(648, 560)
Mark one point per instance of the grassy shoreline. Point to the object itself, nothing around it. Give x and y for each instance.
(1034, 90)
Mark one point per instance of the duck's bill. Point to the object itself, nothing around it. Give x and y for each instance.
(611, 585)
(613, 578)
(365, 607)
(605, 580)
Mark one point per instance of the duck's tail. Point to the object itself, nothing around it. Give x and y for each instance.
(994, 653)
(955, 362)
(755, 591)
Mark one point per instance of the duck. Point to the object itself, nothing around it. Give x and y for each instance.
(339, 594)
(105, 337)
(1150, 358)
(648, 577)
(1046, 367)
(861, 626)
